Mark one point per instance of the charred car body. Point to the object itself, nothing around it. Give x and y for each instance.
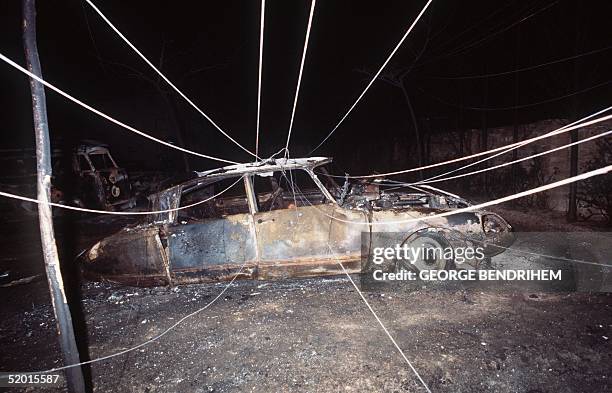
(102, 183)
(279, 218)
(86, 176)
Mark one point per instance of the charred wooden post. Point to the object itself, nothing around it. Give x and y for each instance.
(74, 375)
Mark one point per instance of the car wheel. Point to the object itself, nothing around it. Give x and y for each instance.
(429, 253)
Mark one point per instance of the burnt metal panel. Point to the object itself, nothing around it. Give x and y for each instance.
(463, 218)
(211, 242)
(346, 229)
(392, 220)
(308, 267)
(298, 232)
(130, 251)
(166, 200)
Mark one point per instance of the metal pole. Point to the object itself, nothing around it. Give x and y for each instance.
(74, 375)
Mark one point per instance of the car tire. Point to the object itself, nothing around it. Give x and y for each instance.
(425, 260)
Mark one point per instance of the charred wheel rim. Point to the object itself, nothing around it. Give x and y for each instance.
(430, 249)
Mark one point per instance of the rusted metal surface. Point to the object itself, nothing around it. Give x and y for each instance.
(294, 233)
(277, 234)
(308, 267)
(131, 251)
(345, 239)
(211, 242)
(165, 259)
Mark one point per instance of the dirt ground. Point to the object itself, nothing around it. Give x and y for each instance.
(316, 335)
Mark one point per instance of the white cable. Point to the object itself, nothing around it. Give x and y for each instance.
(506, 148)
(586, 175)
(563, 129)
(81, 209)
(433, 180)
(299, 81)
(261, 42)
(480, 241)
(375, 76)
(569, 180)
(509, 147)
(379, 321)
(105, 116)
(108, 22)
(147, 342)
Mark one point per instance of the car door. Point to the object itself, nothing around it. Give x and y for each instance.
(295, 240)
(212, 248)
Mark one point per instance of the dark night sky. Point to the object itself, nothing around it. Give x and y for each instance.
(463, 38)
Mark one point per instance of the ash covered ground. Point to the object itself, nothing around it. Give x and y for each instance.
(316, 335)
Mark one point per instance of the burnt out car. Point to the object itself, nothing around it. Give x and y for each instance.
(101, 182)
(86, 175)
(279, 218)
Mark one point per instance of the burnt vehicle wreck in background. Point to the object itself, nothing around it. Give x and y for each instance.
(101, 182)
(86, 175)
(277, 219)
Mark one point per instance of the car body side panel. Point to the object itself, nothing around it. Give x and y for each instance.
(291, 234)
(131, 256)
(345, 236)
(211, 242)
(293, 242)
(390, 222)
